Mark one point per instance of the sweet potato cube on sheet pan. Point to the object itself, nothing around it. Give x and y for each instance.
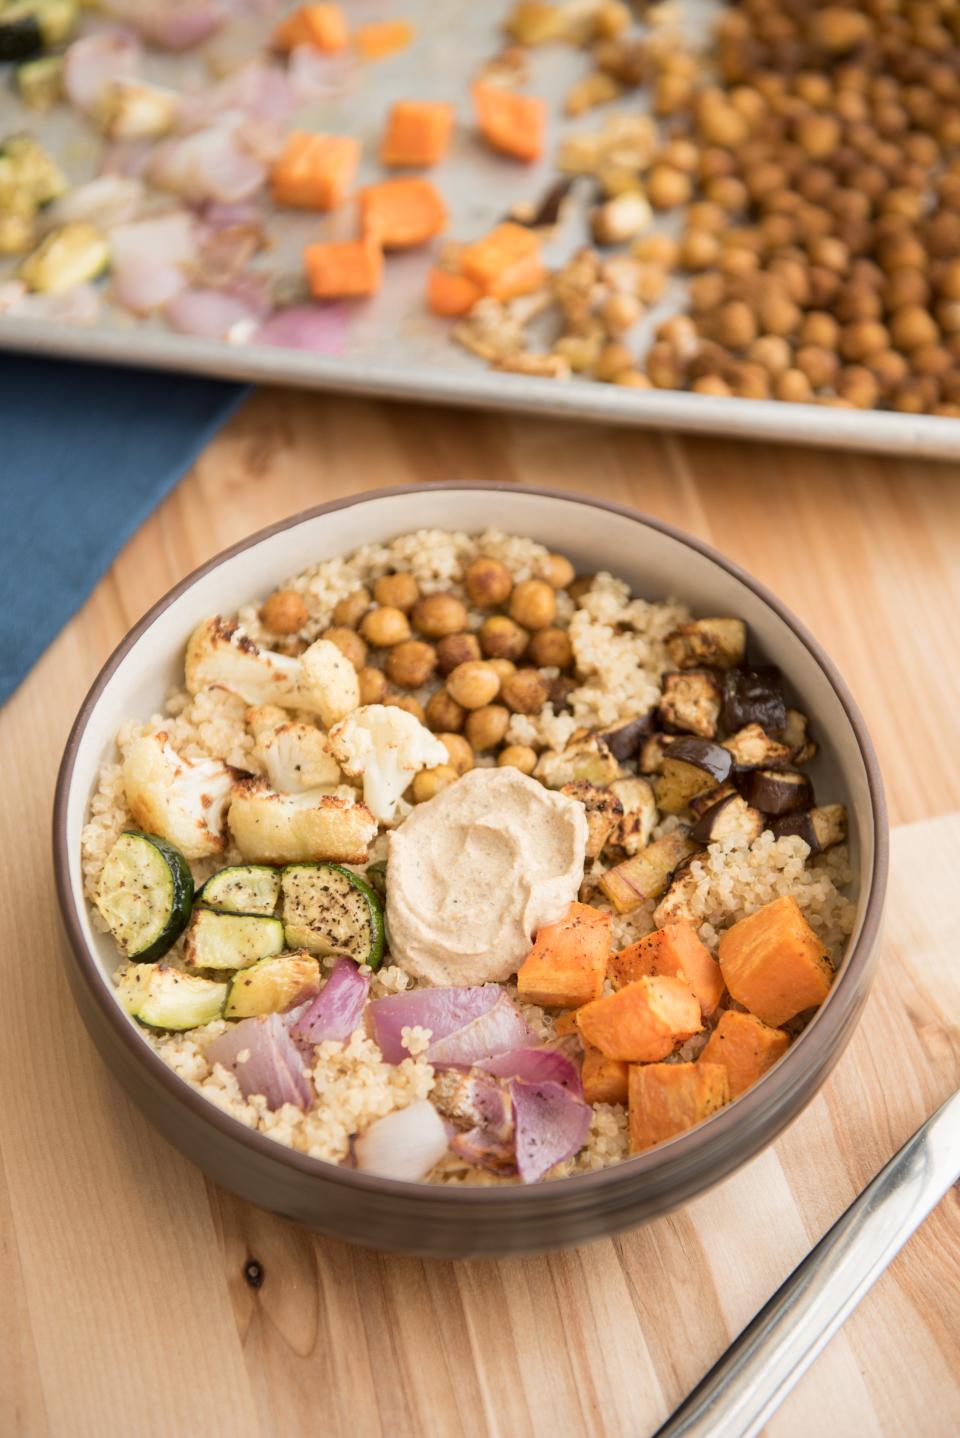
(667, 1099)
(642, 1022)
(568, 962)
(774, 964)
(675, 951)
(746, 1047)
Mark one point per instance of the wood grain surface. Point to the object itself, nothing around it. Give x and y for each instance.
(125, 1296)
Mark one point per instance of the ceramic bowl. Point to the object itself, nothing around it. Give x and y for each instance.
(456, 1221)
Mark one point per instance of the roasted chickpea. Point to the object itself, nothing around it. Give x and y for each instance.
(461, 755)
(501, 638)
(551, 647)
(502, 667)
(407, 702)
(454, 649)
(820, 365)
(438, 614)
(444, 714)
(533, 604)
(284, 612)
(352, 608)
(488, 583)
(429, 782)
(819, 328)
(793, 386)
(558, 571)
(668, 187)
(771, 351)
(581, 585)
(386, 626)
(473, 684)
(913, 326)
(711, 384)
(349, 643)
(518, 756)
(411, 663)
(373, 686)
(486, 727)
(524, 692)
(400, 591)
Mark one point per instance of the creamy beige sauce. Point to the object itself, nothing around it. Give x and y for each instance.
(472, 875)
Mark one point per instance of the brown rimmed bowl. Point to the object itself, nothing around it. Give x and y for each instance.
(439, 1221)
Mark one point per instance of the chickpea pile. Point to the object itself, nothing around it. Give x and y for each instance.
(478, 678)
(813, 159)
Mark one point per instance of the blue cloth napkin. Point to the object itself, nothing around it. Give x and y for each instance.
(86, 453)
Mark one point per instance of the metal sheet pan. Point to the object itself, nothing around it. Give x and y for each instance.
(390, 346)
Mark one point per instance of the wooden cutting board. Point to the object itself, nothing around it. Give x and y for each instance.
(125, 1301)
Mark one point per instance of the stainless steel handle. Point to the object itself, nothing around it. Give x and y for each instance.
(756, 1373)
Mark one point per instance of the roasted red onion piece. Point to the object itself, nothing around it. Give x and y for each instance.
(91, 64)
(210, 164)
(536, 1066)
(338, 1008)
(170, 24)
(405, 1144)
(551, 1125)
(77, 306)
(497, 1031)
(265, 1060)
(106, 201)
(442, 1011)
(149, 258)
(319, 328)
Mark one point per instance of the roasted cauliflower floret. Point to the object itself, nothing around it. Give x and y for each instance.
(386, 747)
(321, 681)
(272, 828)
(183, 800)
(297, 758)
(587, 758)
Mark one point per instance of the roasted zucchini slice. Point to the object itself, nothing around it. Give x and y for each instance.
(376, 876)
(820, 828)
(730, 818)
(690, 703)
(716, 643)
(242, 889)
(604, 813)
(328, 909)
(66, 257)
(29, 26)
(688, 768)
(144, 894)
(272, 986)
(230, 941)
(647, 874)
(778, 791)
(165, 998)
(754, 696)
(40, 81)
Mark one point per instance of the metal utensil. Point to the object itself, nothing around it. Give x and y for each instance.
(760, 1367)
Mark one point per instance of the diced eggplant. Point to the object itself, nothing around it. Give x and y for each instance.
(587, 758)
(690, 703)
(647, 874)
(678, 901)
(652, 751)
(547, 210)
(820, 828)
(639, 813)
(731, 818)
(754, 696)
(625, 740)
(604, 813)
(690, 767)
(795, 736)
(29, 26)
(752, 748)
(67, 257)
(700, 803)
(718, 643)
(778, 791)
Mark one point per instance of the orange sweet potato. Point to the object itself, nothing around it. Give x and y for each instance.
(676, 951)
(565, 1024)
(343, 271)
(417, 133)
(449, 294)
(321, 26)
(745, 1047)
(604, 1080)
(380, 38)
(402, 212)
(504, 263)
(314, 172)
(512, 123)
(666, 1099)
(568, 961)
(642, 1022)
(774, 964)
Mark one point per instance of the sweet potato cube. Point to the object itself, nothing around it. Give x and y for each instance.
(403, 212)
(774, 964)
(314, 172)
(566, 1024)
(451, 295)
(504, 263)
(321, 26)
(380, 38)
(568, 961)
(745, 1047)
(666, 1099)
(417, 133)
(604, 1080)
(642, 1022)
(677, 952)
(512, 123)
(344, 271)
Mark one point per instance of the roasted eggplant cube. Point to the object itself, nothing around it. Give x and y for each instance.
(717, 643)
(652, 752)
(752, 748)
(796, 737)
(690, 767)
(820, 828)
(700, 803)
(691, 703)
(778, 791)
(754, 696)
(677, 902)
(604, 813)
(588, 759)
(647, 874)
(731, 818)
(625, 740)
(29, 26)
(639, 813)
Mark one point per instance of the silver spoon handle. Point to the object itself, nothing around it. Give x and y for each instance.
(760, 1367)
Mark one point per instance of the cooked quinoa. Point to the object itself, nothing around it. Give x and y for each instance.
(620, 658)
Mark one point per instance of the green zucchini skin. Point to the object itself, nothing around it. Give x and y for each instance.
(20, 38)
(180, 902)
(242, 889)
(31, 26)
(366, 944)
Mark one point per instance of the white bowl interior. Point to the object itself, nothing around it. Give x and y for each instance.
(655, 564)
